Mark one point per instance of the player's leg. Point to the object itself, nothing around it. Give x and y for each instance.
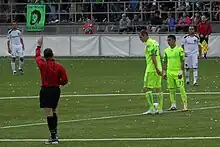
(21, 60)
(46, 102)
(180, 85)
(149, 93)
(172, 89)
(13, 60)
(56, 96)
(159, 92)
(195, 69)
(187, 69)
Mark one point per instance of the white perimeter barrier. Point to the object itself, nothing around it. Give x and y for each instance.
(102, 45)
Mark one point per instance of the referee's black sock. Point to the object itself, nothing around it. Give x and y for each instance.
(55, 121)
(51, 126)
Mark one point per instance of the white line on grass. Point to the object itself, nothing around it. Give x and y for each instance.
(113, 139)
(102, 118)
(107, 95)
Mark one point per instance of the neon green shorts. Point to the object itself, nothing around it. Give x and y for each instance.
(152, 80)
(173, 81)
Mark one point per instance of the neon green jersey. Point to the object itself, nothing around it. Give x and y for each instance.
(174, 57)
(152, 48)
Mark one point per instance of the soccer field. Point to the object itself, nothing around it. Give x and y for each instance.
(102, 106)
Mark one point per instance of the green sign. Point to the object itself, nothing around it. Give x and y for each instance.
(35, 17)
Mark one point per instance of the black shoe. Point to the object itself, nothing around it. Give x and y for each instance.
(52, 141)
(21, 71)
(196, 84)
(14, 73)
(172, 109)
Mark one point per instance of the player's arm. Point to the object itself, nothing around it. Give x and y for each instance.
(39, 60)
(8, 43)
(183, 42)
(63, 76)
(165, 64)
(153, 51)
(21, 39)
(182, 59)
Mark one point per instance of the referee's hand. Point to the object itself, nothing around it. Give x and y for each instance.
(40, 41)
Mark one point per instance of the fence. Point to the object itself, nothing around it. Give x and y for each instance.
(102, 45)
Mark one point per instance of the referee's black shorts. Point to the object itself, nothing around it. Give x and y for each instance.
(49, 97)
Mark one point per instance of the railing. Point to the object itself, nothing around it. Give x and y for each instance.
(107, 28)
(111, 11)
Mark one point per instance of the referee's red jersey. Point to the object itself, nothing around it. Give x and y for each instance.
(52, 73)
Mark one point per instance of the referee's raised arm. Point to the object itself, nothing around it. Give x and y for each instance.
(53, 75)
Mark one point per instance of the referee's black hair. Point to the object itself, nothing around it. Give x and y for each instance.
(48, 53)
(173, 37)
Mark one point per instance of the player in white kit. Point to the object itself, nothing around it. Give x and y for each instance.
(15, 45)
(192, 48)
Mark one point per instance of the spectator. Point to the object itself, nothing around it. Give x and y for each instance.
(88, 27)
(136, 22)
(171, 22)
(217, 15)
(196, 19)
(183, 23)
(156, 22)
(124, 24)
(204, 30)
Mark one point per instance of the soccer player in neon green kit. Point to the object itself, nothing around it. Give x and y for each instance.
(153, 73)
(173, 68)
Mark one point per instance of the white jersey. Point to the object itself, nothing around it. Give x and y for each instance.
(191, 44)
(14, 36)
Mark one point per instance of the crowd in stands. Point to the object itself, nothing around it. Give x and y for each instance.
(156, 15)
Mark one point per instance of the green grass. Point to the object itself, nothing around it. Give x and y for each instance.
(100, 77)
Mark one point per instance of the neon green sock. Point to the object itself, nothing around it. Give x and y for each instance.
(183, 94)
(160, 100)
(149, 96)
(172, 96)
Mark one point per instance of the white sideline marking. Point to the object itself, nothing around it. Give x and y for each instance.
(106, 95)
(113, 139)
(102, 118)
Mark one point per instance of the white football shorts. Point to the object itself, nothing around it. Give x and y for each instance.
(17, 51)
(191, 61)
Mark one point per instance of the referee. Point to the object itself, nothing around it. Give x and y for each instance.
(53, 75)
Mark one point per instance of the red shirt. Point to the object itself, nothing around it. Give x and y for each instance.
(52, 73)
(204, 29)
(88, 28)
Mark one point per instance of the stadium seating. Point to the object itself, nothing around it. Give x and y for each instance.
(65, 16)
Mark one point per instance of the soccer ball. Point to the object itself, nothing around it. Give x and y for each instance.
(156, 106)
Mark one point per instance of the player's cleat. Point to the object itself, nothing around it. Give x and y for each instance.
(14, 73)
(52, 141)
(150, 112)
(172, 108)
(159, 111)
(21, 71)
(185, 108)
(195, 84)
